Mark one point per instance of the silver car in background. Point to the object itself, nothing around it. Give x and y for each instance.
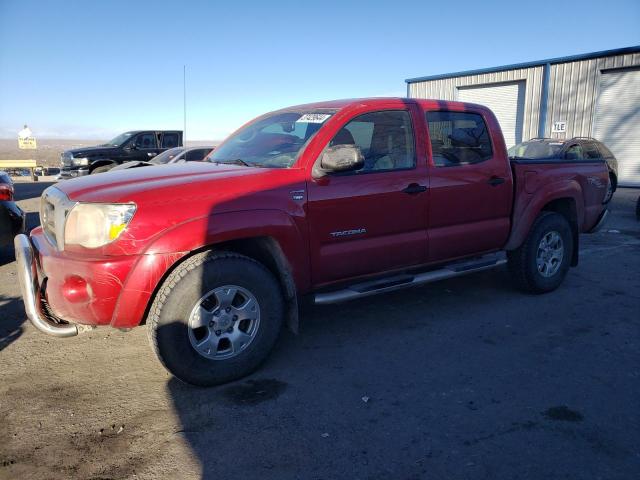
(173, 155)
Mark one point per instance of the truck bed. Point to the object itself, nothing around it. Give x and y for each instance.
(535, 182)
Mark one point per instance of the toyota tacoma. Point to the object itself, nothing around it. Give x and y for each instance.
(330, 201)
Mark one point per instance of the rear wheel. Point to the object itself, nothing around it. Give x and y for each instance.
(540, 264)
(216, 318)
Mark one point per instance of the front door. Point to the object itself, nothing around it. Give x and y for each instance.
(146, 146)
(371, 220)
(471, 186)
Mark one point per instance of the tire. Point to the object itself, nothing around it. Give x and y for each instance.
(174, 315)
(102, 169)
(524, 261)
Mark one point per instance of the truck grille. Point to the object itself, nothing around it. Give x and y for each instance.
(54, 208)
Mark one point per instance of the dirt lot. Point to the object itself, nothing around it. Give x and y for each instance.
(464, 379)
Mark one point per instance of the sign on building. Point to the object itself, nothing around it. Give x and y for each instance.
(559, 127)
(26, 140)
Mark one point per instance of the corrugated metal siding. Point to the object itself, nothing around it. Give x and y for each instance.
(447, 89)
(573, 90)
(617, 121)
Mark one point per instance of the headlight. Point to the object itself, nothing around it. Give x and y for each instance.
(94, 225)
(80, 162)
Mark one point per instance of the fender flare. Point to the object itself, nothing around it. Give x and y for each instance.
(525, 215)
(169, 248)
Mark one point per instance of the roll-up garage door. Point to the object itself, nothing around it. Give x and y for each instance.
(617, 121)
(506, 100)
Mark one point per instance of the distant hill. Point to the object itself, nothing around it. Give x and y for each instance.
(49, 149)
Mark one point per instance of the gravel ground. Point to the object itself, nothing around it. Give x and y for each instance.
(463, 379)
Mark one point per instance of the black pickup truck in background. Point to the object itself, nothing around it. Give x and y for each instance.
(140, 145)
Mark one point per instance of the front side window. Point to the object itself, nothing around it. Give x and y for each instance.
(458, 138)
(146, 140)
(119, 140)
(272, 141)
(384, 138)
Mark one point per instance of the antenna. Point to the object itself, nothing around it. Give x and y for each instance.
(184, 104)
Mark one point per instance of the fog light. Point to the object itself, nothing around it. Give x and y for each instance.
(76, 290)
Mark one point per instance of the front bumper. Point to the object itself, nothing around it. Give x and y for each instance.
(62, 288)
(68, 173)
(27, 275)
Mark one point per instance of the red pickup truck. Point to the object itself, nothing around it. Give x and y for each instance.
(335, 200)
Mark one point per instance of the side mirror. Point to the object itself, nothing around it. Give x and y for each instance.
(341, 158)
(132, 146)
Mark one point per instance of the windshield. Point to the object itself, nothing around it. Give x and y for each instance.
(119, 140)
(167, 156)
(535, 150)
(272, 141)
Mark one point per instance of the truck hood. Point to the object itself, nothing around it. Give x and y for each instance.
(91, 151)
(169, 183)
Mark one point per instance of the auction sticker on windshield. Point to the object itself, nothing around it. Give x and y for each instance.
(313, 118)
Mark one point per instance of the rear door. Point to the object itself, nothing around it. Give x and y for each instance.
(471, 185)
(372, 220)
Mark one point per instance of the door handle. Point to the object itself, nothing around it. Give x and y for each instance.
(414, 188)
(495, 181)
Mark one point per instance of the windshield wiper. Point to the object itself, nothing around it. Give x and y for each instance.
(235, 161)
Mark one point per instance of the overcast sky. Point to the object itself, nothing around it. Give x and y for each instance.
(92, 69)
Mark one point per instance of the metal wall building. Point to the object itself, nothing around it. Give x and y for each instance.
(591, 95)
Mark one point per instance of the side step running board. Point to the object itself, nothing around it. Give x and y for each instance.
(397, 282)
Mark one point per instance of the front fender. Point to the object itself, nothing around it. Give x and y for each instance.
(172, 245)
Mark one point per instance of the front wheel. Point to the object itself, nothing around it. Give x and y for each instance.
(540, 264)
(216, 318)
(102, 169)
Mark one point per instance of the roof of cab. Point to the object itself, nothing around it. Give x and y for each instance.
(372, 101)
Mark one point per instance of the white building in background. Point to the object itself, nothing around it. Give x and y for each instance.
(591, 95)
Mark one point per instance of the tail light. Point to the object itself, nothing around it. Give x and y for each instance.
(6, 192)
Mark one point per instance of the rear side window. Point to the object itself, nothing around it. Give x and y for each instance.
(591, 151)
(606, 153)
(458, 138)
(170, 140)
